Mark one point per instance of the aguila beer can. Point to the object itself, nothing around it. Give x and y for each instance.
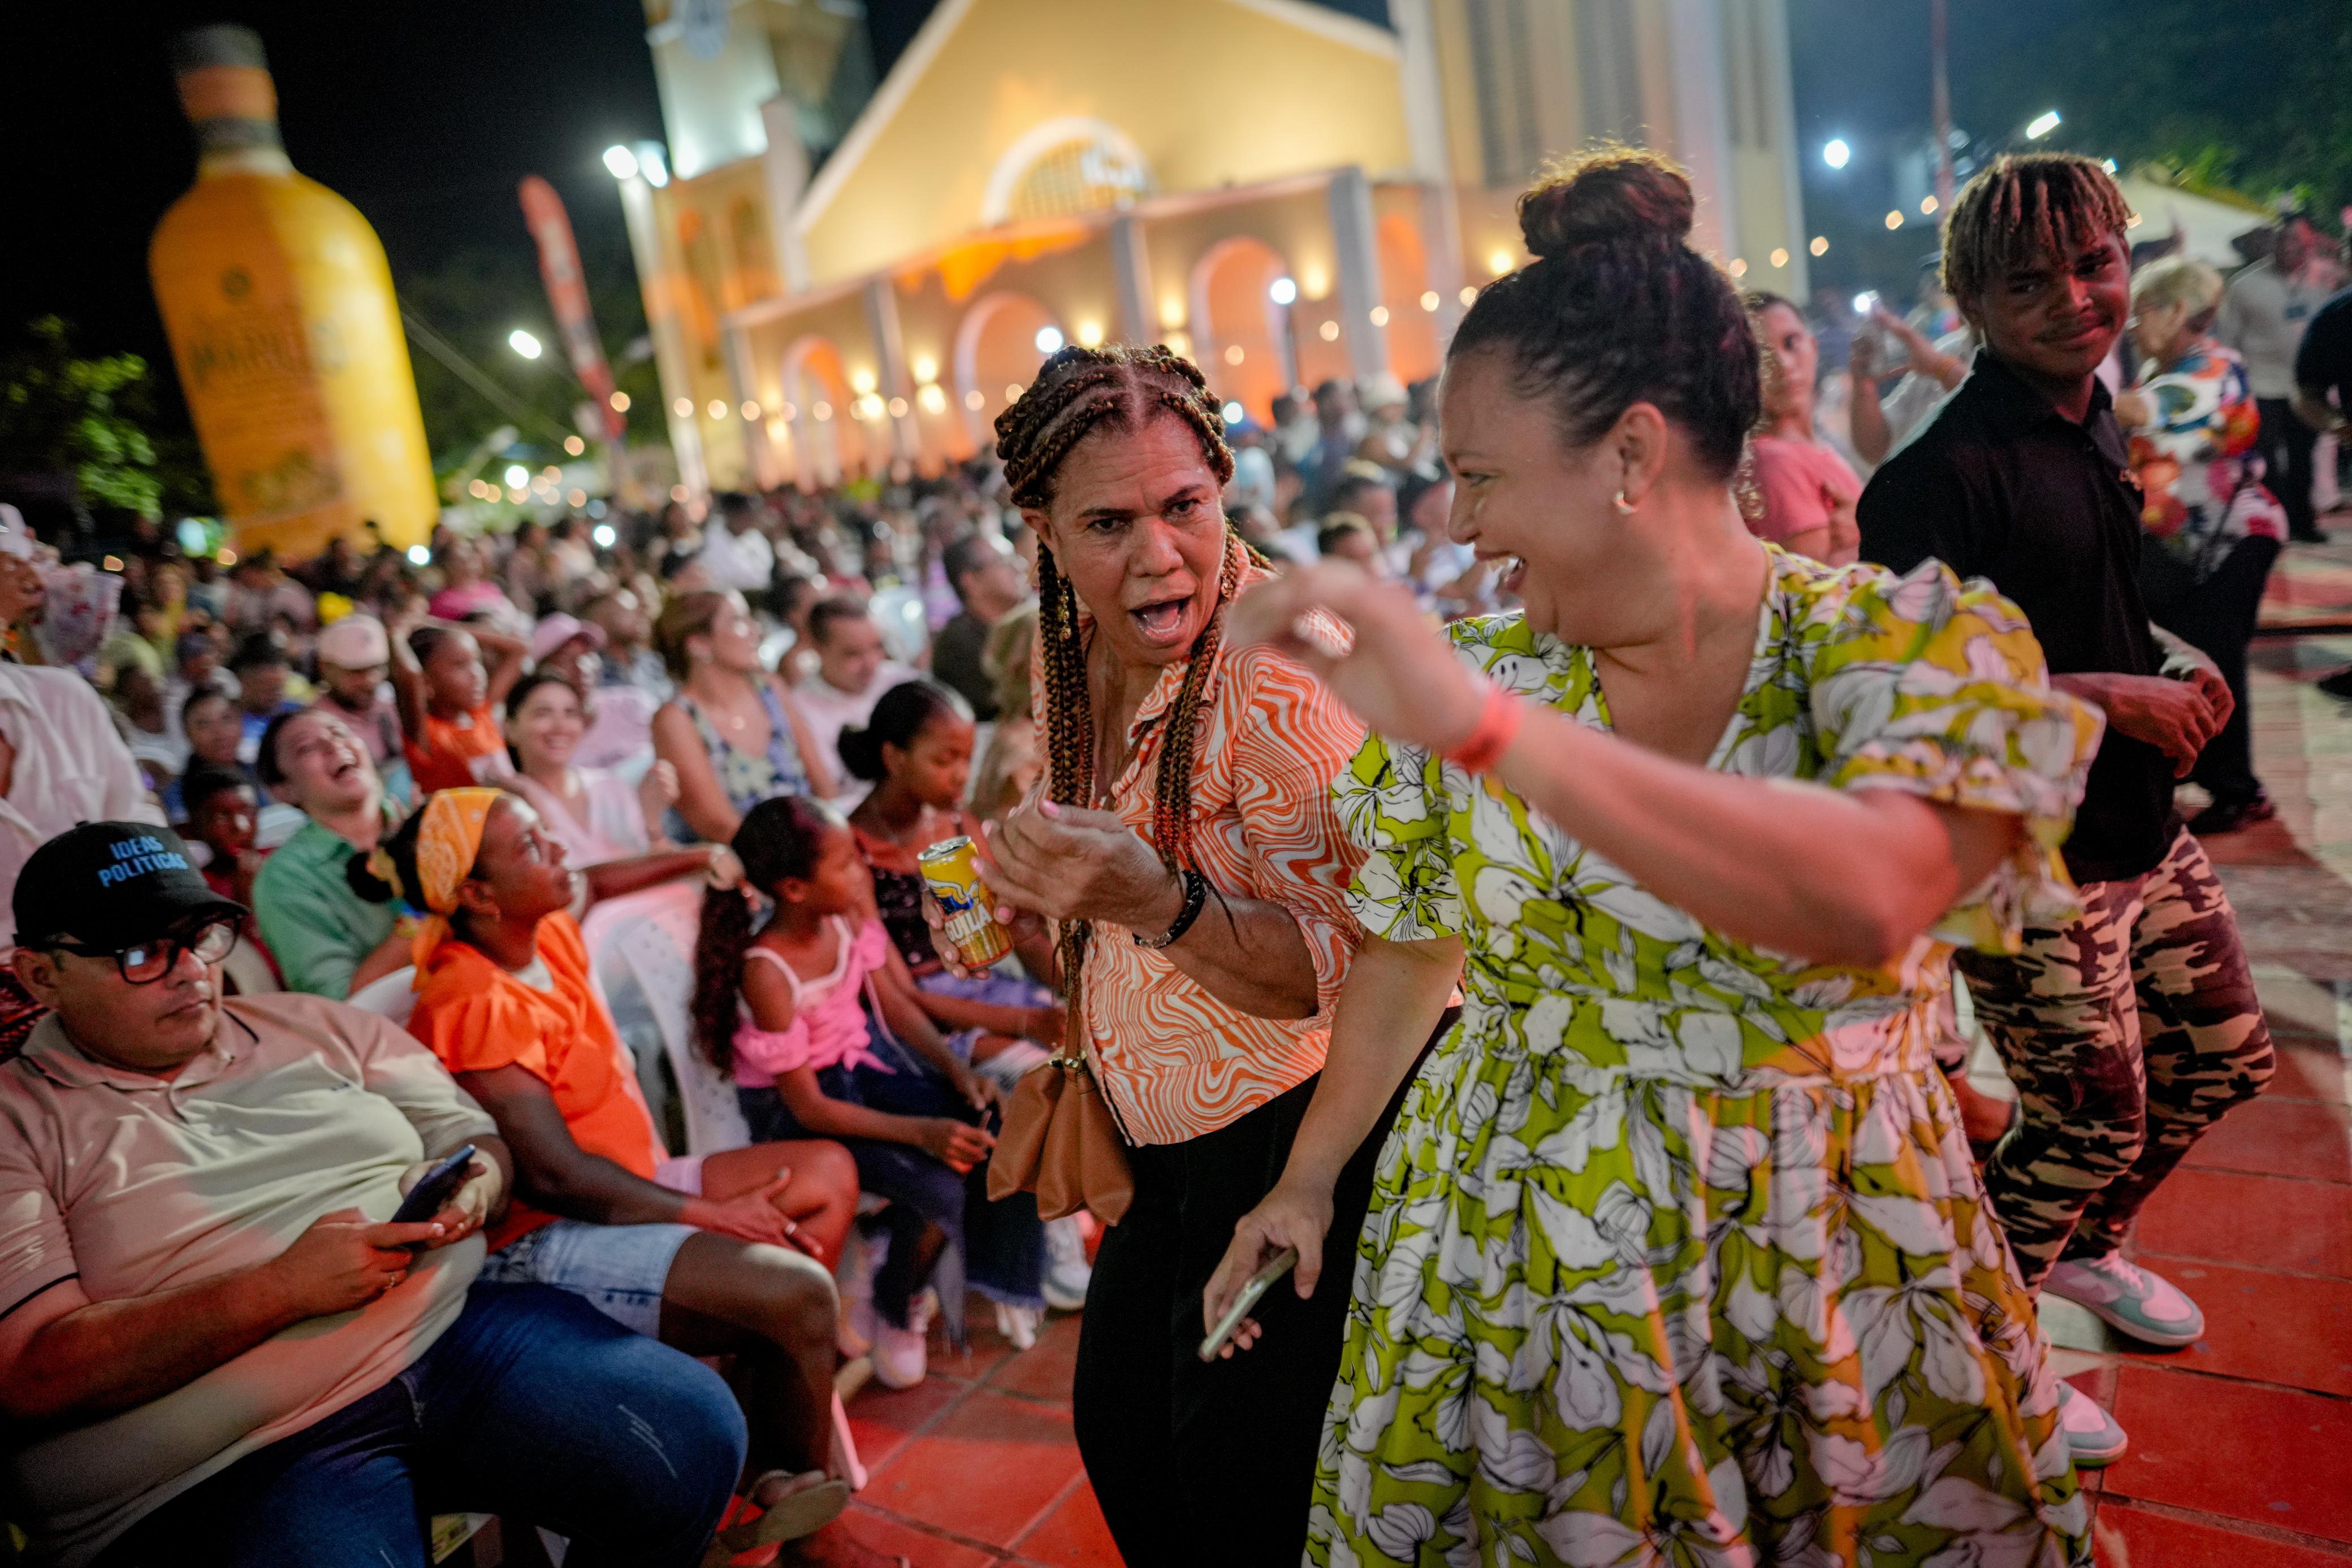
(980, 939)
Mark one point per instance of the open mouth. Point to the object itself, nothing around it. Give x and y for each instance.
(1513, 569)
(1163, 620)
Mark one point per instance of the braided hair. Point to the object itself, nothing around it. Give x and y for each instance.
(1121, 388)
(780, 838)
(2027, 206)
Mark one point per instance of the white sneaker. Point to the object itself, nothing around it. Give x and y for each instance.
(900, 1356)
(1018, 1324)
(2144, 1305)
(2094, 1438)
(1067, 1272)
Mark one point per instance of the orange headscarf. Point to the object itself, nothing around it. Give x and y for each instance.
(448, 841)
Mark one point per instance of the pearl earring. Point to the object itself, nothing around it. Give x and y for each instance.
(1625, 507)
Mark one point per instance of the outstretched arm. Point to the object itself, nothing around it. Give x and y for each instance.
(1837, 876)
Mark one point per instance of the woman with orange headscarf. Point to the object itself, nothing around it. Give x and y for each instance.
(726, 1254)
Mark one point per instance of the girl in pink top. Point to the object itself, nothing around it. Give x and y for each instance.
(785, 1013)
(1807, 491)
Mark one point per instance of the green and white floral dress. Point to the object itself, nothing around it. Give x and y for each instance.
(1676, 1256)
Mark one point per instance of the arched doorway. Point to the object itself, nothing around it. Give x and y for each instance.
(1405, 279)
(827, 443)
(1238, 331)
(996, 351)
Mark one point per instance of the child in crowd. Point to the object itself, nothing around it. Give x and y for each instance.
(782, 1013)
(216, 732)
(224, 813)
(724, 1254)
(262, 670)
(917, 755)
(448, 699)
(223, 807)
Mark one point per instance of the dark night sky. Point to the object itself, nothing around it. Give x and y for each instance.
(425, 114)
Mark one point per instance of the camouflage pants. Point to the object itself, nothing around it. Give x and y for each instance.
(2127, 1034)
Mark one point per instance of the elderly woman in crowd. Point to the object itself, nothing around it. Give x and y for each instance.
(1185, 847)
(1676, 1254)
(733, 734)
(2214, 529)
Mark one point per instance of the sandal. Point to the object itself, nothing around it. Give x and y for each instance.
(795, 1514)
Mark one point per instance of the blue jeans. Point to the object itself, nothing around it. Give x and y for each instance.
(1002, 1244)
(533, 1405)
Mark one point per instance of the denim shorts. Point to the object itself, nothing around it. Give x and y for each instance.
(619, 1269)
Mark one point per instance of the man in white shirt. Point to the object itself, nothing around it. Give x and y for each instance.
(735, 553)
(61, 762)
(852, 671)
(2263, 314)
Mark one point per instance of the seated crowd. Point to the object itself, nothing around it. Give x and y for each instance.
(321, 803)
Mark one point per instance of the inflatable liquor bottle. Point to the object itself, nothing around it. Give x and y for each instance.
(282, 320)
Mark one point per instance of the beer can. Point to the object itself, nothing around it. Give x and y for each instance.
(949, 871)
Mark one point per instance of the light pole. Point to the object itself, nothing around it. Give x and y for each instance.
(640, 171)
(1939, 56)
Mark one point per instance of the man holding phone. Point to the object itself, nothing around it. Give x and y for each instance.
(214, 1346)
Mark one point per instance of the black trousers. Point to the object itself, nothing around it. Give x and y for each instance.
(2286, 444)
(1213, 1463)
(2216, 617)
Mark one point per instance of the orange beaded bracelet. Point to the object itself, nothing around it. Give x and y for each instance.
(1497, 726)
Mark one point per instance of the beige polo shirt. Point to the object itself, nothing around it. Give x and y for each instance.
(300, 1107)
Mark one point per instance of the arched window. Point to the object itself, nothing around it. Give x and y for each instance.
(1064, 168)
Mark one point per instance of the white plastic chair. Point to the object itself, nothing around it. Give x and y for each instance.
(652, 941)
(393, 997)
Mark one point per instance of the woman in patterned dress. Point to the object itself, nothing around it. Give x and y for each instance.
(1675, 1255)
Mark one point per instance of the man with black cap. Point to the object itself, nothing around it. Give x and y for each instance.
(213, 1347)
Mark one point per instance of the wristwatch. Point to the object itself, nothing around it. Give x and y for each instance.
(1196, 894)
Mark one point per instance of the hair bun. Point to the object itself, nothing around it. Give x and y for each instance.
(1616, 195)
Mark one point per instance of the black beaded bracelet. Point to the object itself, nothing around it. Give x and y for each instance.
(1196, 897)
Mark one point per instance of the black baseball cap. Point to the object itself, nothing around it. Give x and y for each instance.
(108, 885)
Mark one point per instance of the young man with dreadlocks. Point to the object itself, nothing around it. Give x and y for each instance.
(1186, 846)
(2130, 1031)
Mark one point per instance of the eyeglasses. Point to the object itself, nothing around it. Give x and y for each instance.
(144, 963)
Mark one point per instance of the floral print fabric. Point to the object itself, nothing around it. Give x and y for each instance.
(2195, 461)
(1676, 1255)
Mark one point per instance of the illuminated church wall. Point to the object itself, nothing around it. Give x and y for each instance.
(1213, 92)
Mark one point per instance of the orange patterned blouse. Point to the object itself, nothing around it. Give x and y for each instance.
(1175, 1062)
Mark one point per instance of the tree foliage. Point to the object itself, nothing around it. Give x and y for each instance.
(89, 417)
(473, 298)
(2254, 97)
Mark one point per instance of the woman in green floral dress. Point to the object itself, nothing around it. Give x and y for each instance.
(1676, 1256)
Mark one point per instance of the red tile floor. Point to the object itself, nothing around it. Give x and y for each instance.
(2241, 1444)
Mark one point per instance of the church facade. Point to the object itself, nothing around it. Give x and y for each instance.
(846, 278)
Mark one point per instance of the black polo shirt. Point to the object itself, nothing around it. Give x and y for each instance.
(2323, 364)
(1998, 484)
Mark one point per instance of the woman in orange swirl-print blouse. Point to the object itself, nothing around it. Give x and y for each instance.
(1184, 844)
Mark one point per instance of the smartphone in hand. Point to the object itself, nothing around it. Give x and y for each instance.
(435, 1188)
(1252, 1290)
